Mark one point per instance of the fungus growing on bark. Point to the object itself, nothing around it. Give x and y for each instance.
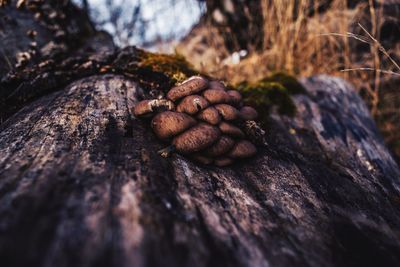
(207, 128)
(235, 97)
(191, 86)
(147, 108)
(196, 138)
(248, 113)
(192, 104)
(242, 149)
(217, 85)
(216, 96)
(169, 124)
(227, 112)
(210, 115)
(222, 146)
(231, 130)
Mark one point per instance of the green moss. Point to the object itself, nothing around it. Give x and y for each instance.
(153, 70)
(174, 66)
(264, 95)
(274, 90)
(289, 82)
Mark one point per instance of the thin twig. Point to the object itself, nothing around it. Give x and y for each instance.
(347, 35)
(380, 47)
(372, 69)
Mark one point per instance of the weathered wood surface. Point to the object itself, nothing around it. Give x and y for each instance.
(81, 184)
(38, 29)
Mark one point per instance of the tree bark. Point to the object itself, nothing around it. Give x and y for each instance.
(81, 183)
(33, 30)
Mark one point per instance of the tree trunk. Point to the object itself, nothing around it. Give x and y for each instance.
(239, 22)
(81, 183)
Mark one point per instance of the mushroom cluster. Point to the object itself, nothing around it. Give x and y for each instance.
(201, 119)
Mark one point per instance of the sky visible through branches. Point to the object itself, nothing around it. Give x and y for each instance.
(146, 23)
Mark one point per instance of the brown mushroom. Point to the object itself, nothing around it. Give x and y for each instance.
(231, 130)
(216, 96)
(192, 104)
(223, 162)
(235, 97)
(196, 138)
(210, 115)
(227, 112)
(242, 149)
(191, 86)
(248, 113)
(147, 108)
(217, 85)
(222, 146)
(168, 124)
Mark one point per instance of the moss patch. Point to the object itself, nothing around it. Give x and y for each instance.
(174, 66)
(153, 70)
(291, 84)
(274, 90)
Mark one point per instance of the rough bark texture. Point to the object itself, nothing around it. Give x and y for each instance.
(37, 29)
(82, 185)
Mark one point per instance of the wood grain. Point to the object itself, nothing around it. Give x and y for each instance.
(81, 184)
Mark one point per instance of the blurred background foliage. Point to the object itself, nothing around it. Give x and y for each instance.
(244, 41)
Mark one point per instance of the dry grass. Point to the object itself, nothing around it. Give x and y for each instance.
(306, 45)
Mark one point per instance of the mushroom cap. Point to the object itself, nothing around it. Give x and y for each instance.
(236, 97)
(191, 86)
(192, 104)
(216, 96)
(242, 149)
(230, 129)
(222, 146)
(149, 107)
(168, 124)
(142, 108)
(202, 159)
(196, 138)
(227, 112)
(248, 113)
(223, 161)
(210, 115)
(217, 85)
